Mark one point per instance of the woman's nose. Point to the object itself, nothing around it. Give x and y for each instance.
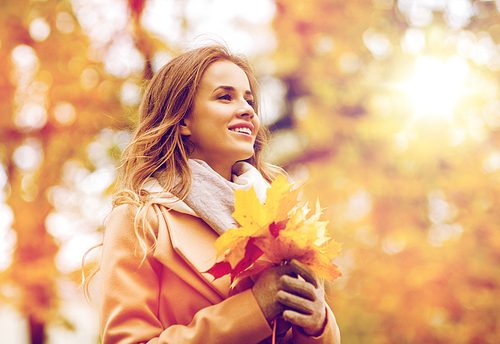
(246, 110)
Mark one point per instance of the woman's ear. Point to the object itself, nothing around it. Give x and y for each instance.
(185, 131)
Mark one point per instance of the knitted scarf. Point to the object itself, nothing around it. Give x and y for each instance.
(211, 196)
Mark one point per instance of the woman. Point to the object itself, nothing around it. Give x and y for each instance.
(198, 138)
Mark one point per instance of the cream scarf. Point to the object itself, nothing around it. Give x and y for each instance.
(211, 196)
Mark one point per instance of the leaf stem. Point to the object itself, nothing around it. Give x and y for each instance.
(274, 330)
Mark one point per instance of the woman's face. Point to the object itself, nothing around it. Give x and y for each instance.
(223, 124)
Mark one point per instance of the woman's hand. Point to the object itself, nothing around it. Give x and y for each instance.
(304, 300)
(278, 290)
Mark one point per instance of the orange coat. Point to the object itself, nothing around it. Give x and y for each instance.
(167, 298)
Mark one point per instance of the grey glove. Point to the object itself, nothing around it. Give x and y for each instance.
(293, 291)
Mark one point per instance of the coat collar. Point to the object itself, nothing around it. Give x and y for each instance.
(193, 241)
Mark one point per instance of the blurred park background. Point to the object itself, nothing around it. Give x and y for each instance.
(390, 108)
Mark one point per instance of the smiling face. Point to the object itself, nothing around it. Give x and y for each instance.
(223, 124)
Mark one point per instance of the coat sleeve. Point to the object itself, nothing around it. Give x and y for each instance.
(330, 335)
(129, 299)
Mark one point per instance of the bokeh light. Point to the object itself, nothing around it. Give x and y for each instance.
(378, 43)
(65, 22)
(25, 62)
(64, 113)
(29, 156)
(436, 85)
(31, 116)
(7, 236)
(39, 29)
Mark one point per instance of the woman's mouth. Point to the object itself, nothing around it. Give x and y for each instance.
(243, 130)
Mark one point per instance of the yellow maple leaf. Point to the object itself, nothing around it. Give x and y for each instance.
(253, 217)
(321, 265)
(280, 230)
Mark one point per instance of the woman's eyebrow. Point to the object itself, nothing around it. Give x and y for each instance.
(231, 89)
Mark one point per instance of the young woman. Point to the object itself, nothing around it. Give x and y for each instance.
(198, 139)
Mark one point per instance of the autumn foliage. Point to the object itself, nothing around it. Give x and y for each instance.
(410, 190)
(278, 231)
(389, 108)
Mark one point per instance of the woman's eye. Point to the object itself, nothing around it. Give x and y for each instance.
(225, 97)
(250, 102)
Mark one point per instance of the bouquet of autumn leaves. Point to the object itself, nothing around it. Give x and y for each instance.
(280, 230)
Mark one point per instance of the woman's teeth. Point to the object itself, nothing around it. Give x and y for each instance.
(242, 130)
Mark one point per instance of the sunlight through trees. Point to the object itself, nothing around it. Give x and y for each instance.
(390, 108)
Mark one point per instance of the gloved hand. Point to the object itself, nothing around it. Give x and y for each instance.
(279, 290)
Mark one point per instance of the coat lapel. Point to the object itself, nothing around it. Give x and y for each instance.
(193, 240)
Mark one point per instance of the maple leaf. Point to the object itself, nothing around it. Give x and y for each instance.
(220, 269)
(279, 230)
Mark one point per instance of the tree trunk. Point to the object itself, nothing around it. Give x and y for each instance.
(37, 330)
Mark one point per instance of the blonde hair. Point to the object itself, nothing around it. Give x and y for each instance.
(157, 143)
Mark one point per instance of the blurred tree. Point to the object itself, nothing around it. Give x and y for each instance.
(55, 97)
(411, 186)
(60, 93)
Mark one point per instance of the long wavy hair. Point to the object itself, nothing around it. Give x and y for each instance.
(157, 143)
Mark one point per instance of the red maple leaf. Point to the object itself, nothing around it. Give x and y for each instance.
(220, 269)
